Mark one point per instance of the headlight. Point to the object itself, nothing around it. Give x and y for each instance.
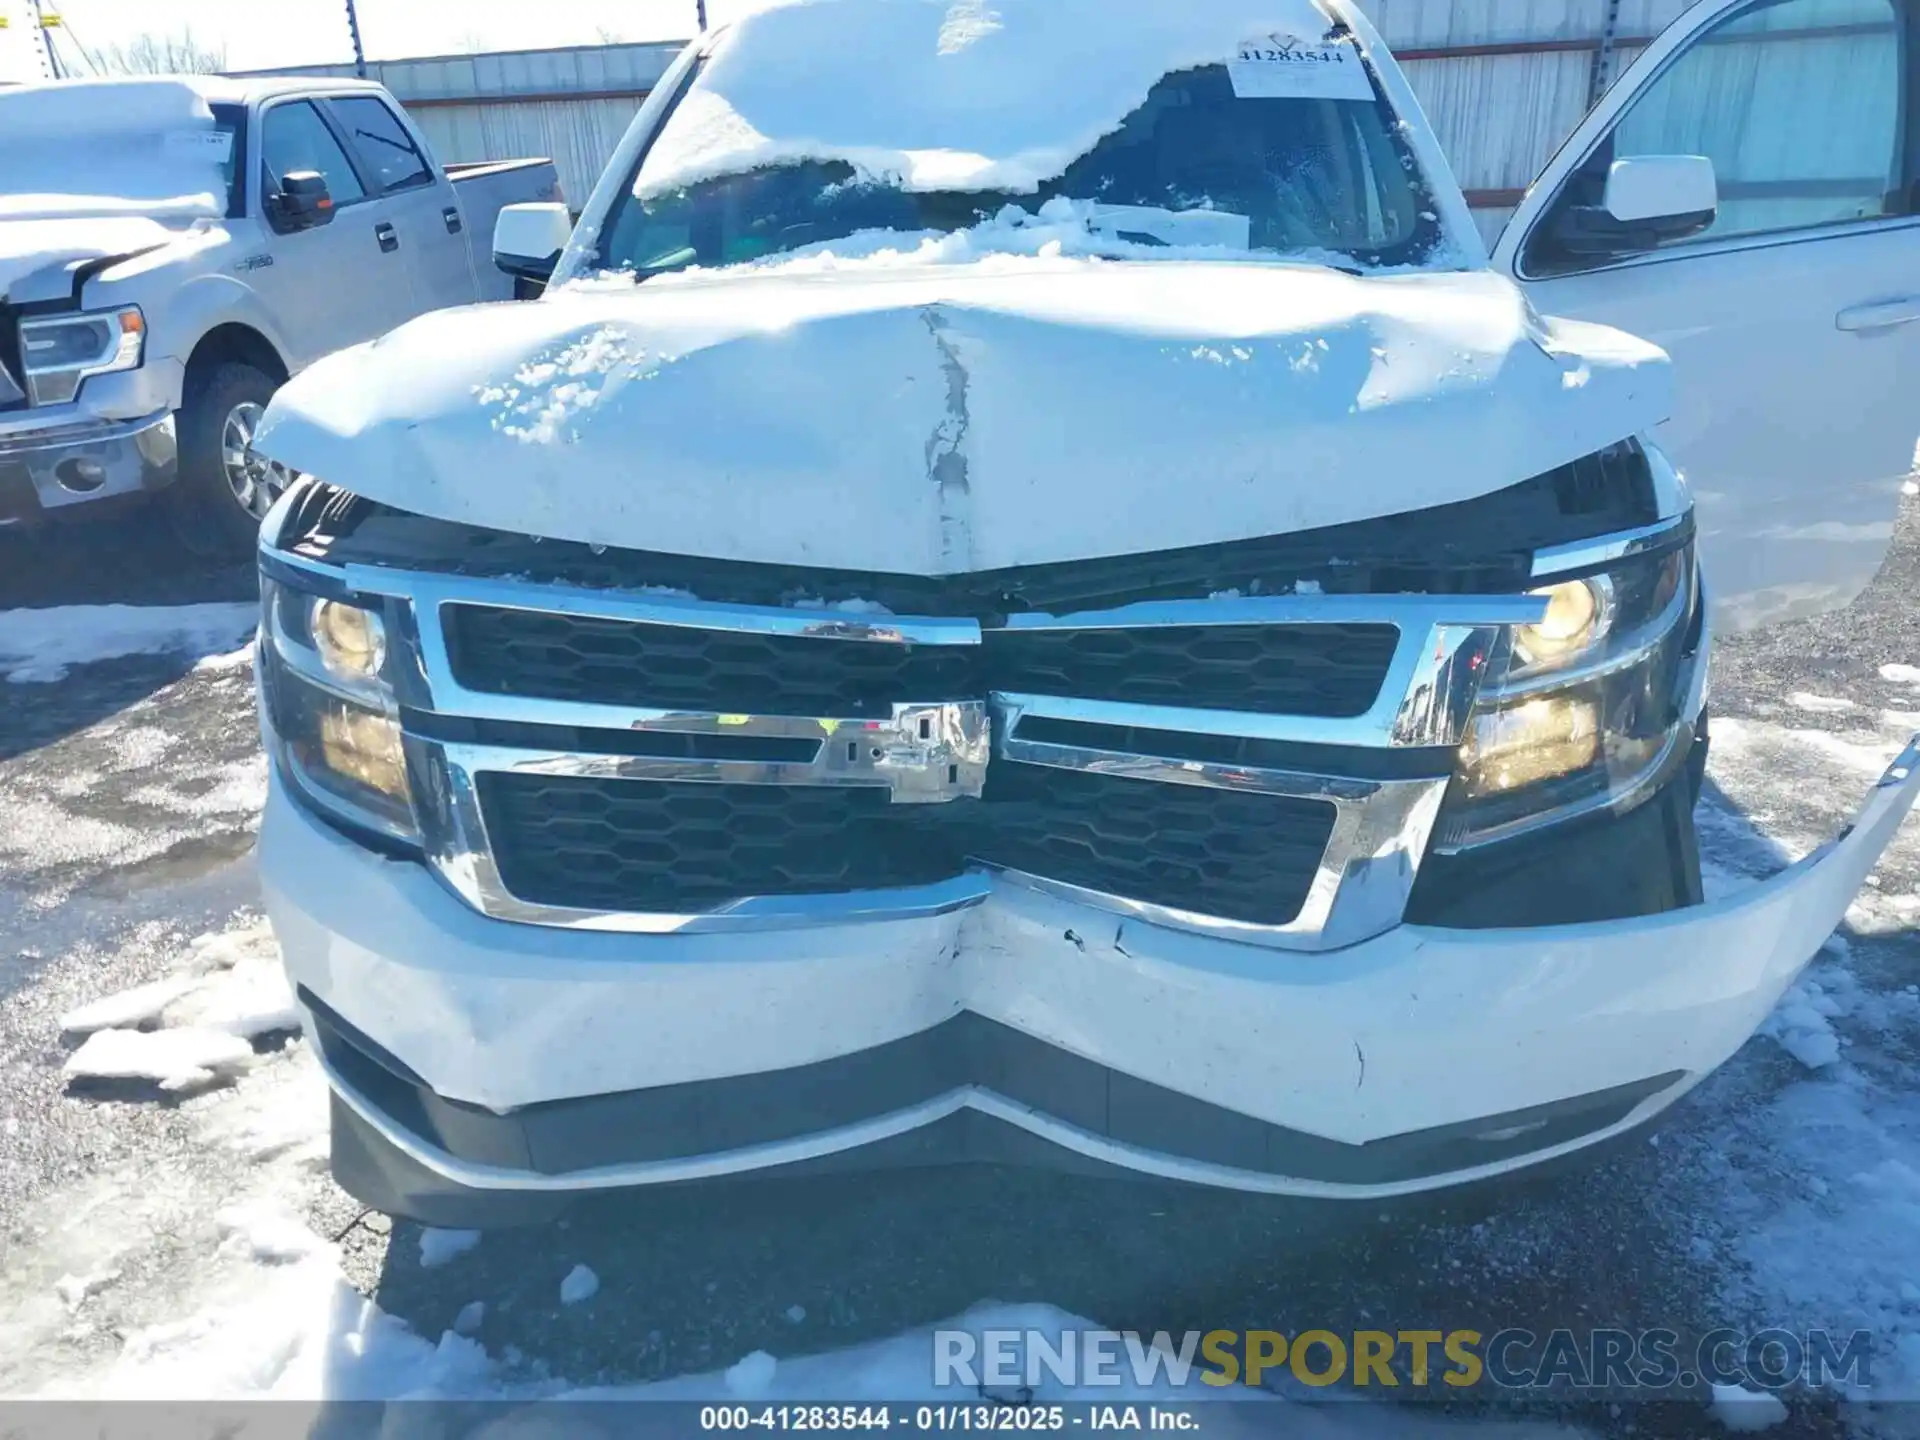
(331, 712)
(1586, 712)
(57, 352)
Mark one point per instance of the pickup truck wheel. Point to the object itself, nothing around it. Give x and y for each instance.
(226, 486)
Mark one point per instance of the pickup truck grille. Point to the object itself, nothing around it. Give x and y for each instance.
(1216, 742)
(1323, 670)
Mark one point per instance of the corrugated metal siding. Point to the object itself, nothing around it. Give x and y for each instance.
(577, 135)
(1499, 115)
(482, 107)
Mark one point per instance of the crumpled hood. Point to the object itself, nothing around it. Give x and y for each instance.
(946, 419)
(37, 256)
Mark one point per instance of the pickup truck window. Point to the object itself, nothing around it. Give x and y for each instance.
(294, 137)
(231, 121)
(384, 144)
(1281, 176)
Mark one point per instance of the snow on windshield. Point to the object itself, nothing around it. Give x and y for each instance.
(946, 94)
(122, 147)
(1168, 139)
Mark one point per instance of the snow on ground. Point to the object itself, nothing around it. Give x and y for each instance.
(40, 646)
(262, 1309)
(1814, 1156)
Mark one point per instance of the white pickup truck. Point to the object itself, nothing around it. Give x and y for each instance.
(172, 250)
(1030, 593)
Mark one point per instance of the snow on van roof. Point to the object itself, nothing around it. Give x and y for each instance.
(110, 147)
(946, 94)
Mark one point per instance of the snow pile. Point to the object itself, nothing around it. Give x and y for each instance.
(581, 1284)
(40, 646)
(230, 989)
(940, 95)
(437, 1247)
(1745, 1411)
(82, 149)
(173, 1059)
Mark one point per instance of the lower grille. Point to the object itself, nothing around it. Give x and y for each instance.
(1238, 856)
(673, 847)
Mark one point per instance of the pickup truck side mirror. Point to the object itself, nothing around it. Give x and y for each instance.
(528, 239)
(301, 202)
(1647, 200)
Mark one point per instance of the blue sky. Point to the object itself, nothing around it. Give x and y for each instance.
(259, 33)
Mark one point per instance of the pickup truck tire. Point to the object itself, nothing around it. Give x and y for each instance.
(225, 489)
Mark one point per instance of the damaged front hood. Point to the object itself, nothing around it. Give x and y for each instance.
(949, 419)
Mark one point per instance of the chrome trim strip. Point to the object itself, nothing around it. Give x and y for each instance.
(1201, 774)
(460, 852)
(86, 432)
(1425, 699)
(1404, 612)
(1359, 889)
(924, 755)
(1558, 560)
(475, 1175)
(429, 593)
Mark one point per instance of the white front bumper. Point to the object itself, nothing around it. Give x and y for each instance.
(1415, 1029)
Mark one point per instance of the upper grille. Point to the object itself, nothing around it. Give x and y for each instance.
(1320, 670)
(501, 651)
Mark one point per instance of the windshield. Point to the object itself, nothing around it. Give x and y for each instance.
(1199, 164)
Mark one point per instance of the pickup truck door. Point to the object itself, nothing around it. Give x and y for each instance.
(339, 283)
(424, 210)
(1794, 320)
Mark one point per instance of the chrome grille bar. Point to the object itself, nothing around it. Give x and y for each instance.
(934, 749)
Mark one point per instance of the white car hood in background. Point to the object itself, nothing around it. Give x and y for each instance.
(943, 419)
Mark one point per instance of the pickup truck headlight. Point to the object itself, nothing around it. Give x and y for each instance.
(1588, 711)
(332, 716)
(58, 352)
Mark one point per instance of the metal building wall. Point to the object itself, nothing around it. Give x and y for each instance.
(1502, 81)
(571, 104)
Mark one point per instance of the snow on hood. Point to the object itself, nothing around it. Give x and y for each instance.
(935, 420)
(86, 148)
(34, 253)
(945, 94)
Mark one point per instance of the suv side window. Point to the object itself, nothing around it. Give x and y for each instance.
(1798, 104)
(383, 143)
(294, 137)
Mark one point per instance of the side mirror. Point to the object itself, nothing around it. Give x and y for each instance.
(528, 239)
(301, 203)
(1647, 200)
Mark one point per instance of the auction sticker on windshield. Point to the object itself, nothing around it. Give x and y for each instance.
(1287, 67)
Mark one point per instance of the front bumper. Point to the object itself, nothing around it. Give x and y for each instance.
(59, 463)
(486, 1058)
